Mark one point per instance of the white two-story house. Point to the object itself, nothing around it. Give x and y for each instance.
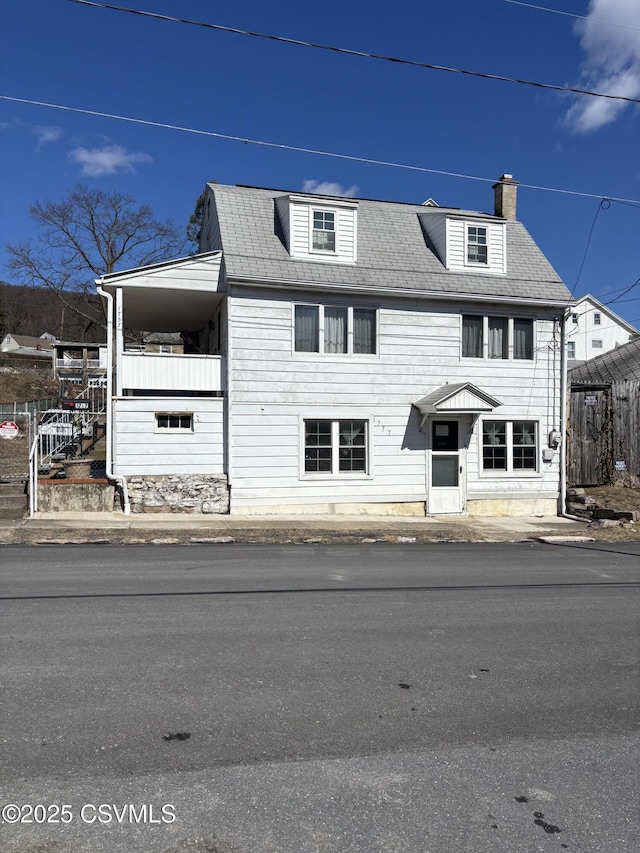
(343, 355)
(593, 329)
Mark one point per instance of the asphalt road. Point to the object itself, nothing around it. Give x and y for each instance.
(304, 699)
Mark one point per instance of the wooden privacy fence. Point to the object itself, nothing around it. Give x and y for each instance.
(603, 442)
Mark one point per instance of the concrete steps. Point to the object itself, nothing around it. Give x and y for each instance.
(13, 499)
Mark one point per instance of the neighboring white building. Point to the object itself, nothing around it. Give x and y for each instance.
(28, 345)
(343, 355)
(593, 328)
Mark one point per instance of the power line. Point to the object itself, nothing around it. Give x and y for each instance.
(360, 53)
(603, 204)
(624, 292)
(572, 15)
(316, 152)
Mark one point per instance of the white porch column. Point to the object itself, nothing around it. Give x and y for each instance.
(119, 341)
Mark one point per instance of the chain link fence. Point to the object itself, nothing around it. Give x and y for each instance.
(15, 446)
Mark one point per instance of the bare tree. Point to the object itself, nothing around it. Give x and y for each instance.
(88, 234)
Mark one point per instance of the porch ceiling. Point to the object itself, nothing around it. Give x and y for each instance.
(167, 310)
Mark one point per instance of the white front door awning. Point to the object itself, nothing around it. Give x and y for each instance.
(462, 398)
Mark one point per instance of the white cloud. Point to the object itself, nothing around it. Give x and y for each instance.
(329, 188)
(11, 124)
(47, 133)
(612, 62)
(109, 160)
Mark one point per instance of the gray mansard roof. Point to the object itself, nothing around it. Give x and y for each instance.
(393, 253)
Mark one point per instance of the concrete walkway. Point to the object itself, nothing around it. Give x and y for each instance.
(169, 528)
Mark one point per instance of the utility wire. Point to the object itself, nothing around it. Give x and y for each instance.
(624, 292)
(572, 15)
(317, 152)
(359, 53)
(604, 203)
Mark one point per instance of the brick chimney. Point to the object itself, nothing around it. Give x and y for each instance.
(504, 195)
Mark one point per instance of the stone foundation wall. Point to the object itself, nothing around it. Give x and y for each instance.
(194, 493)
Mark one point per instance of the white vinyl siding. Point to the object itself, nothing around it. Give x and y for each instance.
(144, 448)
(275, 389)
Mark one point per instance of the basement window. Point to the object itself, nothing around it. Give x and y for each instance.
(174, 422)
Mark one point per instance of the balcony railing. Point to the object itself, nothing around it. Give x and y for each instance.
(171, 372)
(75, 363)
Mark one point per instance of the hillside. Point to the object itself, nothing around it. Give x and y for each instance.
(18, 385)
(35, 310)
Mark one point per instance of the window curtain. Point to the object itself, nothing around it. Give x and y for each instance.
(364, 331)
(523, 338)
(472, 337)
(498, 327)
(351, 433)
(307, 329)
(335, 329)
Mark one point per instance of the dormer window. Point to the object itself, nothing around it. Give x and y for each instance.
(465, 243)
(476, 244)
(320, 230)
(323, 237)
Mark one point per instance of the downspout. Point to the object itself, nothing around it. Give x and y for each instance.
(563, 422)
(110, 474)
(229, 389)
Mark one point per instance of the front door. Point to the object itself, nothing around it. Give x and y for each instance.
(447, 475)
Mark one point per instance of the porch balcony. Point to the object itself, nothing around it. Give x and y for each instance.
(170, 372)
(75, 363)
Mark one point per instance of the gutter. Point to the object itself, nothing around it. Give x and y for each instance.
(448, 296)
(109, 466)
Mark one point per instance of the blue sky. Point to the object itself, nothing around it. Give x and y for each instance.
(63, 53)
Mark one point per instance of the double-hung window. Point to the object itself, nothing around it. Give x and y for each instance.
(335, 329)
(477, 245)
(497, 337)
(510, 446)
(336, 447)
(323, 233)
